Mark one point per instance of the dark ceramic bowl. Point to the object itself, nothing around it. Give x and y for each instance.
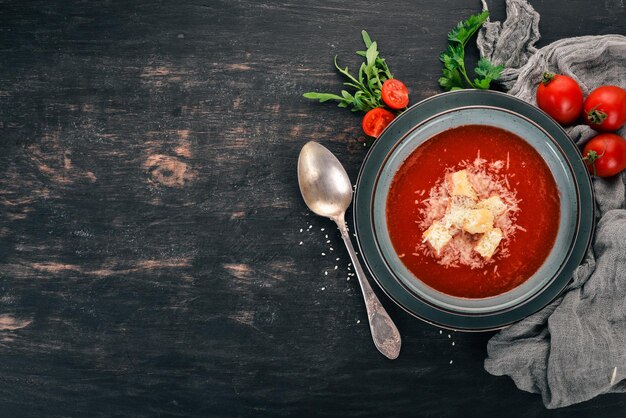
(415, 126)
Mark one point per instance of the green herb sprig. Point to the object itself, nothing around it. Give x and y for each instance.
(454, 73)
(367, 84)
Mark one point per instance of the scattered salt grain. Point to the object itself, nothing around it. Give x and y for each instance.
(453, 343)
(337, 259)
(328, 242)
(450, 361)
(348, 279)
(323, 288)
(331, 248)
(358, 321)
(449, 336)
(322, 229)
(335, 267)
(349, 264)
(301, 243)
(323, 253)
(440, 332)
(301, 230)
(326, 236)
(325, 273)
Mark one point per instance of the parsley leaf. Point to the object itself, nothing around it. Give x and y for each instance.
(464, 30)
(486, 73)
(454, 72)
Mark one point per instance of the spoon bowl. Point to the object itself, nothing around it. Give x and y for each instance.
(324, 183)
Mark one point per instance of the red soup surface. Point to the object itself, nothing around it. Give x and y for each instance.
(537, 215)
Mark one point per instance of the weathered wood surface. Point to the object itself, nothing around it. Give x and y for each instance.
(150, 216)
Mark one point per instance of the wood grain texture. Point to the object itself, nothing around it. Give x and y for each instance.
(150, 217)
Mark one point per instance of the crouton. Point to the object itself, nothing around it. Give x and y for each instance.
(437, 236)
(458, 184)
(493, 204)
(488, 243)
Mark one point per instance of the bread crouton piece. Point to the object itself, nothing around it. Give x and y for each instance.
(456, 212)
(494, 204)
(458, 184)
(488, 243)
(437, 236)
(478, 221)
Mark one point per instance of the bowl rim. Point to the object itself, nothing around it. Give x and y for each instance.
(367, 181)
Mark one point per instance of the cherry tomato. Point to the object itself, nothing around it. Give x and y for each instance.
(395, 94)
(605, 108)
(605, 155)
(560, 96)
(376, 120)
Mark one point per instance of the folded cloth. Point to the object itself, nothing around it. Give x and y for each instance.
(575, 348)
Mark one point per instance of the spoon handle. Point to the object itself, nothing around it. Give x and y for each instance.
(384, 332)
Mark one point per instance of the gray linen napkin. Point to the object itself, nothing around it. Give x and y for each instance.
(575, 348)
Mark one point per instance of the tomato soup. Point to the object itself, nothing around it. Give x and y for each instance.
(524, 175)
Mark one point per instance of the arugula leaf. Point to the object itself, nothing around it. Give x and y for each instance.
(322, 97)
(345, 72)
(454, 72)
(370, 56)
(366, 39)
(367, 84)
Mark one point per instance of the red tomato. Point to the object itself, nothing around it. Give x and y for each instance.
(560, 96)
(605, 108)
(376, 120)
(605, 155)
(395, 94)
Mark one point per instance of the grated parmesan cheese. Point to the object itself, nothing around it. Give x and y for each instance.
(469, 217)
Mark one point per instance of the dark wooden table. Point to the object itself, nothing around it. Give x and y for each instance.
(150, 218)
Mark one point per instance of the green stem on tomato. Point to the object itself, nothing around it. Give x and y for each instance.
(591, 158)
(596, 116)
(547, 78)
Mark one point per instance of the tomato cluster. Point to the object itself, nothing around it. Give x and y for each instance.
(396, 96)
(604, 110)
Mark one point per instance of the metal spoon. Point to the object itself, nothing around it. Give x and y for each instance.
(327, 191)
